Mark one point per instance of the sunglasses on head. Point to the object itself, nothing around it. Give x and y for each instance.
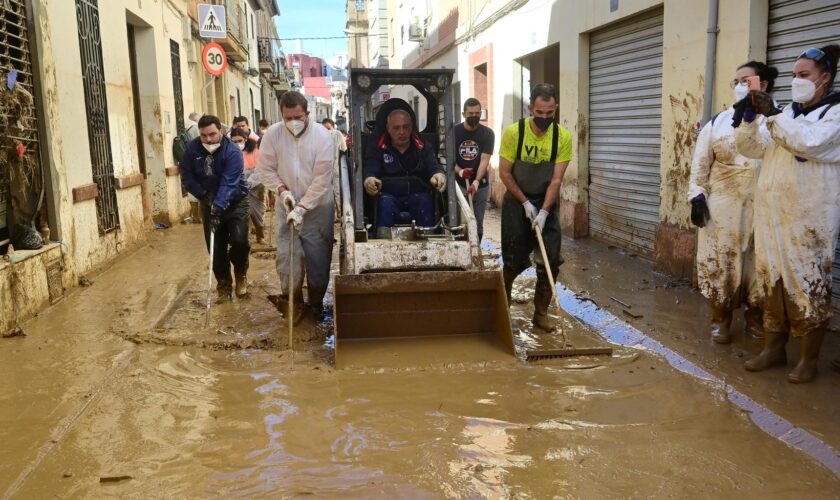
(817, 55)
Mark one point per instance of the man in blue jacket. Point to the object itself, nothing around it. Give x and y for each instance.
(398, 169)
(211, 170)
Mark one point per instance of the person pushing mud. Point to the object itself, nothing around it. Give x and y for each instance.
(211, 170)
(296, 160)
(533, 158)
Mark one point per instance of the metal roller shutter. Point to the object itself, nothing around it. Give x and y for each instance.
(625, 99)
(794, 26)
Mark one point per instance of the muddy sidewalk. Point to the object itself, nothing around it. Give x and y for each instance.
(120, 391)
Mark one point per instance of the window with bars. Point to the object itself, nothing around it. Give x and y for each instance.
(96, 106)
(175, 56)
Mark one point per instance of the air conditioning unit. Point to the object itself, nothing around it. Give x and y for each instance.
(253, 72)
(416, 30)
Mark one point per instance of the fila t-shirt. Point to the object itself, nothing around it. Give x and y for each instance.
(470, 145)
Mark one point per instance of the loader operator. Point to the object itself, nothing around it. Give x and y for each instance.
(533, 158)
(398, 169)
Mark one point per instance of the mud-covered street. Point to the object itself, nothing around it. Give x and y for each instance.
(119, 390)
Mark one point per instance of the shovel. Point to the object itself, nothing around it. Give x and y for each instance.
(210, 277)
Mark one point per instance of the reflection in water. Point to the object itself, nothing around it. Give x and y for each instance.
(486, 456)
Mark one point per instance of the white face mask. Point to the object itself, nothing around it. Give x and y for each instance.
(211, 148)
(295, 126)
(240, 145)
(741, 91)
(802, 90)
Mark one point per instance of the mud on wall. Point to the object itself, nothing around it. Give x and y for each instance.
(66, 138)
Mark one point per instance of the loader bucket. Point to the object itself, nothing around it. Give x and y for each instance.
(404, 319)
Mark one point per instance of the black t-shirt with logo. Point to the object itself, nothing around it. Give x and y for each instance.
(470, 145)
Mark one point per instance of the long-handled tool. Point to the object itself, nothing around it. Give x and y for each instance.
(564, 351)
(291, 318)
(210, 276)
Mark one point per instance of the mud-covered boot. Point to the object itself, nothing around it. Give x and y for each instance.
(542, 299)
(809, 353)
(259, 231)
(720, 323)
(224, 290)
(773, 353)
(281, 302)
(241, 285)
(754, 322)
(508, 276)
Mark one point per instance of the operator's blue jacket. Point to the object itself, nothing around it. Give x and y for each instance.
(401, 174)
(225, 180)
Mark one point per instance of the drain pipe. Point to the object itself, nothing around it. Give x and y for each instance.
(711, 53)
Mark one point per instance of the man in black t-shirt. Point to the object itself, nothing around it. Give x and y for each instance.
(474, 145)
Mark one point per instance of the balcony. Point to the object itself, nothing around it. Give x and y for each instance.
(236, 43)
(266, 55)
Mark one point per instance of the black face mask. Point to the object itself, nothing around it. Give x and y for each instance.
(472, 121)
(543, 123)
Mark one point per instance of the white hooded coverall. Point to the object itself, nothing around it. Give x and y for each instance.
(303, 164)
(797, 212)
(725, 264)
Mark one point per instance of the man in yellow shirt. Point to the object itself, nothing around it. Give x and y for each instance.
(533, 159)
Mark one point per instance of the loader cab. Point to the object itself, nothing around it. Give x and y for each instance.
(431, 108)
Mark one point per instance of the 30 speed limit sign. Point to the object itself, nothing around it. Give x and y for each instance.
(214, 58)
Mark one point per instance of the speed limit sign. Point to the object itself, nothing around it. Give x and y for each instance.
(214, 59)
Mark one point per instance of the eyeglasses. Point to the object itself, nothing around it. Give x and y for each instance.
(734, 83)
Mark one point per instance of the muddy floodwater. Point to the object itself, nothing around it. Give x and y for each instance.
(120, 391)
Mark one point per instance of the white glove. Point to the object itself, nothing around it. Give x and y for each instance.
(530, 210)
(439, 181)
(288, 200)
(296, 217)
(540, 220)
(372, 185)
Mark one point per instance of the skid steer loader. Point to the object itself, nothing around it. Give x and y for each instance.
(409, 295)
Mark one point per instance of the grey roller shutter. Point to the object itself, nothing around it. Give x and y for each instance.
(794, 26)
(625, 100)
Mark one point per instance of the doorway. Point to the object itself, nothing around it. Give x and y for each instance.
(145, 194)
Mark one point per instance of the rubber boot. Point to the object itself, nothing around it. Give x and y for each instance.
(260, 232)
(542, 299)
(809, 353)
(224, 289)
(241, 285)
(721, 321)
(754, 322)
(509, 276)
(281, 302)
(773, 353)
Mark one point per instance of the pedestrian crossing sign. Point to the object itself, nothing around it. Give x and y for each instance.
(212, 21)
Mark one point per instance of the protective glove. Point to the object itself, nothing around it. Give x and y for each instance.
(372, 185)
(296, 217)
(439, 182)
(743, 108)
(539, 220)
(763, 103)
(472, 188)
(288, 200)
(215, 218)
(699, 211)
(466, 173)
(530, 210)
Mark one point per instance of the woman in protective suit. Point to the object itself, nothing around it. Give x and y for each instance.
(797, 209)
(720, 191)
